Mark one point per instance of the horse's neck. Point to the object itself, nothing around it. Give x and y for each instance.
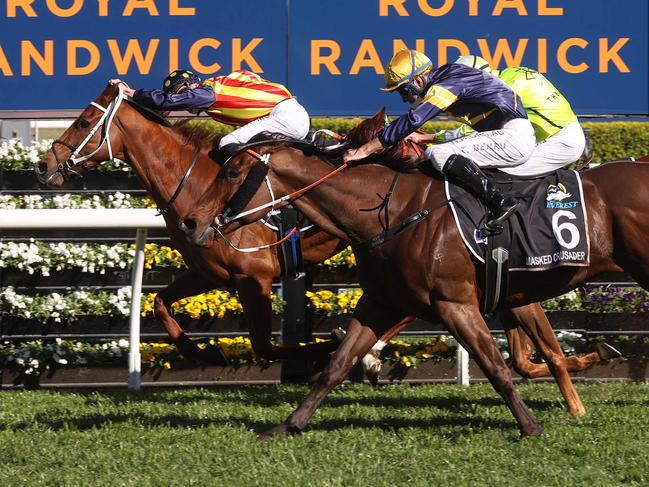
(158, 165)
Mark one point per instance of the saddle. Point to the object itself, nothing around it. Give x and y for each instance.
(548, 229)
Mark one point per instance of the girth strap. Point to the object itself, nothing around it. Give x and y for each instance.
(389, 233)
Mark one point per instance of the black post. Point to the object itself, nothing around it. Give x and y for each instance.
(295, 326)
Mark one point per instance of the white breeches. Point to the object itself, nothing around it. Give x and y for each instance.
(564, 147)
(287, 118)
(509, 146)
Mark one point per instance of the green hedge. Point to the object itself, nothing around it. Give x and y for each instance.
(609, 140)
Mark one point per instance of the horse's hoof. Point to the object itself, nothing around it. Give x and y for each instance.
(214, 355)
(578, 413)
(373, 372)
(279, 430)
(534, 430)
(338, 334)
(607, 352)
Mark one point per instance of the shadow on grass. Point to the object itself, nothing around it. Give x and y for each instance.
(466, 424)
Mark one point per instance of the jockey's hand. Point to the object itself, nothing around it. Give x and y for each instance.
(366, 150)
(126, 89)
(421, 138)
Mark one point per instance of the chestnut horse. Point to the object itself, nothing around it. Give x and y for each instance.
(160, 155)
(425, 270)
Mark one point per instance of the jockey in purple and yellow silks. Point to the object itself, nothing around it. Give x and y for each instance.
(242, 98)
(504, 136)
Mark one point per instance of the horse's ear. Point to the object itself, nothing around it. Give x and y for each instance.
(378, 120)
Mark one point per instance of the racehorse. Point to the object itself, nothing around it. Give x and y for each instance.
(425, 270)
(175, 167)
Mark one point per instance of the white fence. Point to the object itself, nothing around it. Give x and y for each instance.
(141, 220)
(138, 219)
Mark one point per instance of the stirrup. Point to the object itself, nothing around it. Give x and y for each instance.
(494, 225)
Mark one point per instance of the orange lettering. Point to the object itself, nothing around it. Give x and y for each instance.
(64, 12)
(147, 4)
(328, 60)
(503, 4)
(175, 9)
(436, 12)
(502, 50)
(25, 5)
(397, 5)
(103, 8)
(4, 64)
(367, 57)
(442, 49)
(607, 55)
(195, 50)
(240, 56)
(93, 51)
(173, 55)
(473, 8)
(133, 50)
(545, 10)
(542, 46)
(562, 55)
(399, 45)
(28, 52)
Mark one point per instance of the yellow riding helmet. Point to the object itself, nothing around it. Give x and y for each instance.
(403, 67)
(474, 62)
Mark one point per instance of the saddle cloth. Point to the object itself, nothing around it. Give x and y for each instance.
(548, 229)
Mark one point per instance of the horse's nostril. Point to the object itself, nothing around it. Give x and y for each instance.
(189, 225)
(41, 167)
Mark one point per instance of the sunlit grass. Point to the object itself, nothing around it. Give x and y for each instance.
(393, 435)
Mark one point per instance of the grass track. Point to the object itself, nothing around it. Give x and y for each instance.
(394, 435)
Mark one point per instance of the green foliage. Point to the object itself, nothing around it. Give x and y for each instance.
(618, 140)
(610, 140)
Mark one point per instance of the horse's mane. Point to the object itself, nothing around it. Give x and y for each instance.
(195, 134)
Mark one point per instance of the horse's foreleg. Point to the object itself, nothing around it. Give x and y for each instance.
(188, 284)
(533, 320)
(467, 325)
(360, 337)
(254, 294)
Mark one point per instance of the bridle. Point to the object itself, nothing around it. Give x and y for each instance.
(65, 168)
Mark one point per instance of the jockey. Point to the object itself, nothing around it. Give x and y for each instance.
(241, 98)
(560, 139)
(504, 136)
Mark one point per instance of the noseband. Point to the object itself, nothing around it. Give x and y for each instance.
(65, 168)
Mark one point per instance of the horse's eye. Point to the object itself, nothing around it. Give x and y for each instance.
(233, 173)
(83, 123)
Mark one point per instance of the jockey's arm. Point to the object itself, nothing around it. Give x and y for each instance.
(195, 98)
(407, 123)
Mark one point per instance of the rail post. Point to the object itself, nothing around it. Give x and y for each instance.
(134, 359)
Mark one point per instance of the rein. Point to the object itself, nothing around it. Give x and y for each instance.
(181, 185)
(224, 218)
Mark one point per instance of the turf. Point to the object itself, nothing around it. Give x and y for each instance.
(393, 435)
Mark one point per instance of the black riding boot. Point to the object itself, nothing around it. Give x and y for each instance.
(224, 153)
(464, 171)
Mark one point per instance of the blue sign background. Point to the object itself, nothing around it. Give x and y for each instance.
(288, 29)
